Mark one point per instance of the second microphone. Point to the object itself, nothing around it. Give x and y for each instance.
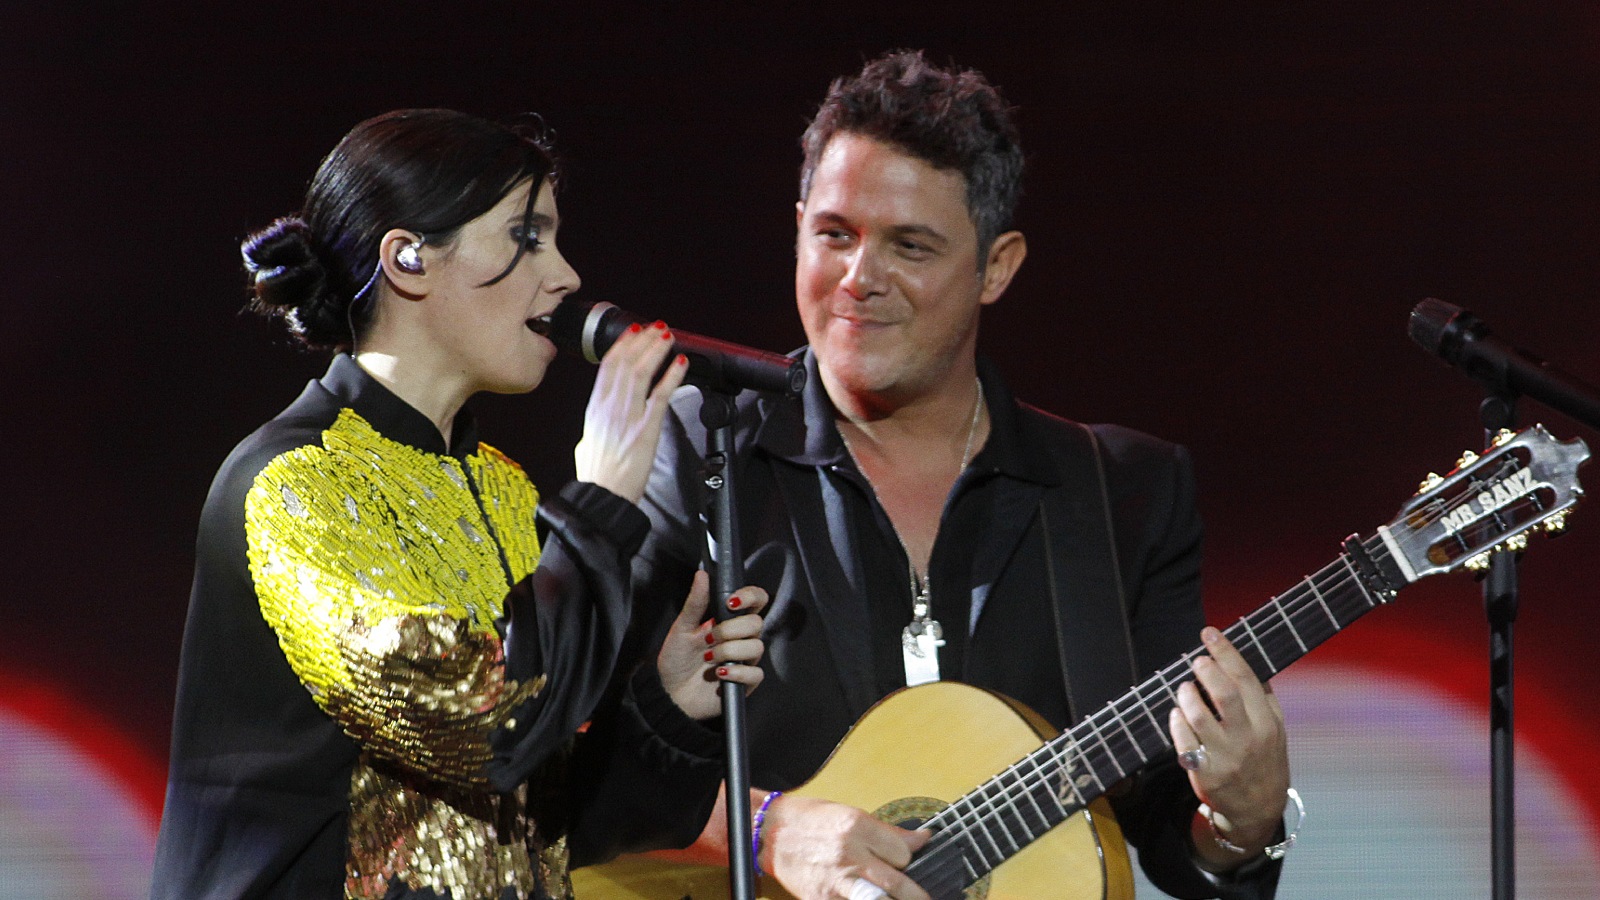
(590, 329)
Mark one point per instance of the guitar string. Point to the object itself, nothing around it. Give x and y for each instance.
(999, 797)
(960, 817)
(1293, 603)
(1323, 603)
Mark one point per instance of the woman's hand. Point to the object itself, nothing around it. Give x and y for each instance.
(697, 653)
(622, 425)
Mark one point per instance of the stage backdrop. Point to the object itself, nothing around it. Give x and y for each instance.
(1230, 214)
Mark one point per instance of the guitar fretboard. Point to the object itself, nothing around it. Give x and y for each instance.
(986, 827)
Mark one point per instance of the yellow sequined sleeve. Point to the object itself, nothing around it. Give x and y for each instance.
(379, 571)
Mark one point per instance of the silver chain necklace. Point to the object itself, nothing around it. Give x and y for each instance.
(922, 637)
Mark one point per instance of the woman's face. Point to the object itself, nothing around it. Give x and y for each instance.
(481, 330)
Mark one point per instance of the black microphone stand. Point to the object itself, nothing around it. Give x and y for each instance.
(726, 558)
(1500, 596)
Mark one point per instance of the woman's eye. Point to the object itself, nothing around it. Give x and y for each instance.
(528, 237)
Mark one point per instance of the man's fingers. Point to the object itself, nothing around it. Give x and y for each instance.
(1196, 714)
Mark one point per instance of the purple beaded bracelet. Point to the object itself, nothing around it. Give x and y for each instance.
(755, 831)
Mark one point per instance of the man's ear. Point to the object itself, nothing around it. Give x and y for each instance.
(1005, 258)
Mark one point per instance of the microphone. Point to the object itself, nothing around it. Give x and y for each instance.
(1463, 341)
(590, 329)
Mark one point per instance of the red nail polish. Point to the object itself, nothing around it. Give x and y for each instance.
(735, 603)
(666, 335)
(682, 360)
(634, 328)
(658, 324)
(710, 656)
(722, 671)
(711, 638)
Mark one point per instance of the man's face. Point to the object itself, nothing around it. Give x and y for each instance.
(886, 276)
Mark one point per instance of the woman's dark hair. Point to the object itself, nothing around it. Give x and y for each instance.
(430, 171)
(949, 118)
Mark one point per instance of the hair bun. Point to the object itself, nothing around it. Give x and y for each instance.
(291, 282)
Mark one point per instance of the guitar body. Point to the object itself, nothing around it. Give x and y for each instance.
(910, 755)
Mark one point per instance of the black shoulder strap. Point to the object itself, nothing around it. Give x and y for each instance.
(1084, 577)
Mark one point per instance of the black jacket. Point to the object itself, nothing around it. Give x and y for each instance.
(262, 798)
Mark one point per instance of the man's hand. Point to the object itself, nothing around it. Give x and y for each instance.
(1243, 774)
(819, 850)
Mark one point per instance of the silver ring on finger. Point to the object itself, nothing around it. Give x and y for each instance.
(1190, 760)
(866, 890)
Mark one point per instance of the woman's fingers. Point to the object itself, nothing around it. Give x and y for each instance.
(623, 423)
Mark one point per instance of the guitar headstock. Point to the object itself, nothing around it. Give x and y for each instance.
(1489, 503)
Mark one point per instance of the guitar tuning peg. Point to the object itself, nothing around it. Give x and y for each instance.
(1503, 437)
(1479, 563)
(1517, 542)
(1556, 523)
(1467, 459)
(1432, 481)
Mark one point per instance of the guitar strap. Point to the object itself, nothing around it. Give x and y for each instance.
(1096, 666)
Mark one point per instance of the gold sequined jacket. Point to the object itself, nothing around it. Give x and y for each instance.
(382, 670)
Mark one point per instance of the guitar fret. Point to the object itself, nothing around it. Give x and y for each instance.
(1088, 771)
(1105, 748)
(1010, 810)
(972, 873)
(1150, 714)
(982, 827)
(1043, 778)
(1318, 594)
(1031, 785)
(1062, 768)
(1290, 625)
(1123, 723)
(1260, 650)
(1044, 821)
(1007, 830)
(1355, 577)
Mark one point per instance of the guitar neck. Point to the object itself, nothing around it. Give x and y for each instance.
(981, 830)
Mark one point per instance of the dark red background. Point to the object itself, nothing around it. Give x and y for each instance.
(1230, 215)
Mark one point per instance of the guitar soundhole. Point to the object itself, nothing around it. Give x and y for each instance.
(911, 812)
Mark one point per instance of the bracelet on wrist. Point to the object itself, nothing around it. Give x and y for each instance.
(1276, 851)
(755, 831)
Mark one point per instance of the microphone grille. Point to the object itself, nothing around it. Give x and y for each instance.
(566, 324)
(1430, 320)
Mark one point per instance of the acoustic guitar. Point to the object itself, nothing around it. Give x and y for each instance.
(1041, 829)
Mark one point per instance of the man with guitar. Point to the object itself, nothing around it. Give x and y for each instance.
(914, 523)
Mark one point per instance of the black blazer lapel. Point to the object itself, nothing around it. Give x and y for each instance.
(822, 533)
